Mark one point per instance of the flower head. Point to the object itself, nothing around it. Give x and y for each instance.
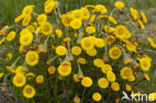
(19, 80)
(32, 58)
(61, 50)
(96, 96)
(46, 28)
(76, 50)
(76, 23)
(29, 91)
(115, 86)
(111, 76)
(126, 72)
(103, 83)
(26, 39)
(115, 52)
(119, 4)
(86, 82)
(40, 79)
(65, 68)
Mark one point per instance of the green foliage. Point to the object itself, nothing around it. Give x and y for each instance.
(12, 8)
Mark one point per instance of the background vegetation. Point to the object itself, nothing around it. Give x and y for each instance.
(12, 8)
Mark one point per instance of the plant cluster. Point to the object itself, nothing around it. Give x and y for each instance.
(87, 54)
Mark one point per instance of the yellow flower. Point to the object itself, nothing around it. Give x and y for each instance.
(128, 87)
(26, 20)
(131, 47)
(35, 24)
(22, 49)
(85, 13)
(131, 78)
(1, 75)
(90, 29)
(106, 68)
(10, 69)
(77, 14)
(90, 6)
(141, 24)
(109, 29)
(2, 40)
(58, 33)
(11, 36)
(41, 18)
(98, 62)
(115, 86)
(112, 20)
(46, 28)
(110, 39)
(24, 31)
(19, 80)
(152, 96)
(101, 8)
(145, 64)
(40, 79)
(121, 32)
(66, 20)
(38, 30)
(115, 52)
(65, 68)
(27, 10)
(9, 57)
(151, 41)
(31, 28)
(92, 19)
(32, 58)
(126, 62)
(143, 16)
(4, 30)
(29, 92)
(21, 69)
(30, 75)
(19, 18)
(66, 39)
(86, 82)
(96, 97)
(102, 17)
(119, 4)
(126, 72)
(87, 43)
(61, 50)
(117, 100)
(91, 52)
(75, 77)
(81, 60)
(76, 23)
(49, 7)
(146, 76)
(134, 13)
(76, 50)
(111, 76)
(76, 99)
(99, 43)
(26, 39)
(103, 83)
(51, 70)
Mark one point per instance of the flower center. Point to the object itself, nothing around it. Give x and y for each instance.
(25, 39)
(29, 90)
(32, 58)
(121, 31)
(115, 53)
(19, 80)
